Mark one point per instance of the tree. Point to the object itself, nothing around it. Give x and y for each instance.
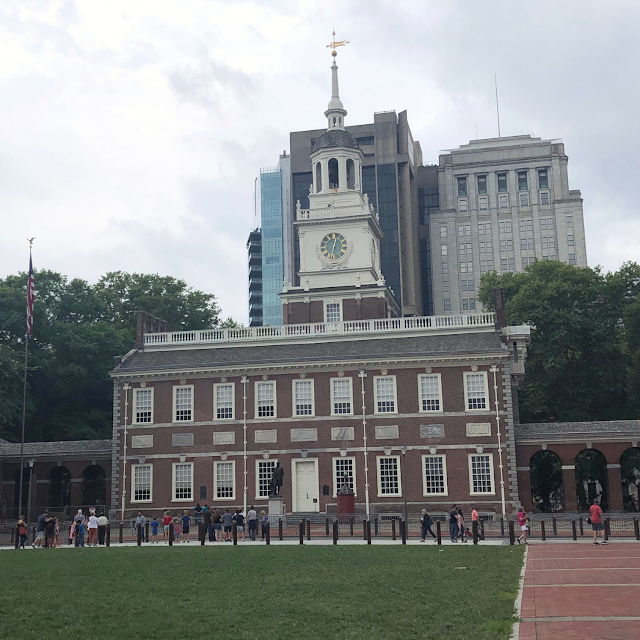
(578, 365)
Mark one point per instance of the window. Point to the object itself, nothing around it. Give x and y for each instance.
(182, 481)
(385, 394)
(303, 398)
(434, 478)
(183, 404)
(224, 480)
(524, 199)
(465, 304)
(526, 225)
(543, 179)
(544, 197)
(511, 264)
(506, 245)
(430, 390)
(572, 258)
(548, 243)
(503, 202)
(344, 469)
(570, 241)
(445, 268)
(527, 244)
(389, 476)
(443, 249)
(527, 261)
(443, 231)
(462, 186)
(466, 267)
(482, 185)
(484, 204)
(143, 406)
(464, 230)
(502, 182)
(546, 224)
(365, 140)
(504, 226)
(223, 398)
(568, 220)
(481, 473)
(522, 181)
(484, 228)
(142, 482)
(486, 265)
(333, 312)
(468, 285)
(445, 287)
(266, 399)
(486, 247)
(475, 391)
(462, 204)
(341, 396)
(264, 471)
(447, 304)
(472, 303)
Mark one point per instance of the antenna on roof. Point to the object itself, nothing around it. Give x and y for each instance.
(495, 80)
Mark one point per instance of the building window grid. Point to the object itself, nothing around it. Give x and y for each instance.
(486, 266)
(568, 220)
(342, 391)
(484, 228)
(543, 179)
(303, 397)
(225, 480)
(544, 198)
(482, 185)
(443, 231)
(503, 202)
(389, 476)
(466, 267)
(141, 483)
(483, 203)
(263, 476)
(464, 230)
(476, 391)
(572, 259)
(462, 186)
(504, 227)
(183, 481)
(443, 249)
(385, 394)
(462, 204)
(570, 241)
(481, 473)
(343, 468)
(224, 401)
(183, 403)
(502, 182)
(143, 410)
(435, 475)
(447, 304)
(266, 396)
(333, 312)
(430, 392)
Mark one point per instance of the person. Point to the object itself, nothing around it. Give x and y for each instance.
(217, 524)
(22, 531)
(166, 521)
(198, 514)
(252, 517)
(79, 529)
(522, 523)
(208, 524)
(460, 523)
(176, 530)
(93, 530)
(50, 531)
(264, 520)
(227, 523)
(239, 518)
(186, 522)
(154, 530)
(102, 528)
(426, 521)
(453, 523)
(595, 516)
(39, 541)
(142, 521)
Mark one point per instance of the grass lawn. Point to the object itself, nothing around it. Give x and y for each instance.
(260, 592)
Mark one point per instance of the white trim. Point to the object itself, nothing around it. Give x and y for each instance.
(294, 382)
(389, 495)
(134, 419)
(335, 478)
(333, 413)
(327, 302)
(173, 483)
(466, 374)
(216, 463)
(294, 481)
(257, 476)
(375, 396)
(429, 375)
(133, 482)
(255, 400)
(444, 472)
(173, 408)
(493, 480)
(215, 400)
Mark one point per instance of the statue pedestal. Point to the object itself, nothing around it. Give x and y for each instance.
(276, 506)
(346, 506)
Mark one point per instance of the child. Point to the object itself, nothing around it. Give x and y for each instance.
(265, 520)
(176, 530)
(186, 522)
(22, 532)
(166, 521)
(522, 521)
(154, 531)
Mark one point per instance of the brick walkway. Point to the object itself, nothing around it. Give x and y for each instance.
(581, 591)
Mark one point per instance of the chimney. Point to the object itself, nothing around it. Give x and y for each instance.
(501, 312)
(146, 323)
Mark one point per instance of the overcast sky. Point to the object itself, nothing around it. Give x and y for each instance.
(131, 132)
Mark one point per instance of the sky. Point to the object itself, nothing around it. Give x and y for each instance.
(131, 133)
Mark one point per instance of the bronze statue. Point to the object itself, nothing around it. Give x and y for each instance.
(277, 478)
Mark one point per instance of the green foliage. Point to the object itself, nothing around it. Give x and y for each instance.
(78, 329)
(584, 350)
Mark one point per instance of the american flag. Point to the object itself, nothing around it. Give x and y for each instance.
(30, 296)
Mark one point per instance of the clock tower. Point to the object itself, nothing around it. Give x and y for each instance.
(338, 235)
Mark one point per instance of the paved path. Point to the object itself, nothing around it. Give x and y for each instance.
(581, 591)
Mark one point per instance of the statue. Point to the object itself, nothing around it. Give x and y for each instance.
(345, 489)
(277, 478)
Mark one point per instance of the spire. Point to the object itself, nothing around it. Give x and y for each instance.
(335, 112)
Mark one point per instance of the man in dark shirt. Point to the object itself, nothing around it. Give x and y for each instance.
(453, 523)
(40, 523)
(208, 525)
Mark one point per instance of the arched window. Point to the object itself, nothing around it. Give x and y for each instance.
(334, 181)
(94, 490)
(591, 479)
(630, 474)
(59, 488)
(351, 174)
(334, 122)
(547, 489)
(318, 177)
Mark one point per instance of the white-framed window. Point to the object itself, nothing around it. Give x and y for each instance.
(481, 474)
(484, 228)
(549, 243)
(141, 483)
(224, 480)
(466, 267)
(224, 401)
(486, 265)
(183, 403)
(445, 287)
(462, 204)
(468, 285)
(482, 184)
(502, 182)
(523, 182)
(524, 199)
(182, 481)
(389, 476)
(464, 230)
(341, 396)
(484, 203)
(434, 475)
(476, 391)
(544, 198)
(444, 249)
(526, 225)
(303, 398)
(430, 392)
(527, 261)
(526, 244)
(344, 468)
(468, 304)
(264, 471)
(143, 406)
(266, 399)
(443, 231)
(462, 186)
(333, 312)
(546, 224)
(486, 247)
(503, 201)
(543, 179)
(504, 226)
(506, 245)
(386, 400)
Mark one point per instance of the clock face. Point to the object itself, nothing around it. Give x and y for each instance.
(333, 246)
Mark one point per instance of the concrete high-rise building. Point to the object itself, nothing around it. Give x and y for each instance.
(254, 249)
(495, 205)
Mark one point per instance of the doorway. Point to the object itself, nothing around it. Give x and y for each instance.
(306, 493)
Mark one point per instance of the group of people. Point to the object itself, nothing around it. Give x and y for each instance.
(48, 530)
(457, 527)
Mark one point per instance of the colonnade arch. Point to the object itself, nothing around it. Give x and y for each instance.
(591, 479)
(547, 487)
(94, 489)
(630, 477)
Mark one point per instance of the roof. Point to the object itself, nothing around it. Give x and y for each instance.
(63, 448)
(335, 138)
(339, 353)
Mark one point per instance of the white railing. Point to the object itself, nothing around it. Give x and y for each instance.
(319, 330)
(334, 212)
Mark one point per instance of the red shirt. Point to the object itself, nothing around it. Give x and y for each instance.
(166, 520)
(474, 515)
(595, 513)
(522, 518)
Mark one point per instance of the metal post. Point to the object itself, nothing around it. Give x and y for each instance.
(280, 535)
(17, 535)
(554, 524)
(301, 531)
(404, 487)
(543, 532)
(481, 529)
(108, 540)
(474, 531)
(146, 532)
(368, 531)
(438, 532)
(502, 527)
(375, 526)
(607, 528)
(512, 533)
(308, 529)
(24, 410)
(244, 381)
(574, 532)
(335, 532)
(29, 494)
(326, 526)
(364, 529)
(201, 533)
(234, 532)
(351, 522)
(121, 533)
(494, 370)
(581, 526)
(403, 531)
(636, 528)
(268, 533)
(362, 375)
(139, 534)
(393, 529)
(171, 534)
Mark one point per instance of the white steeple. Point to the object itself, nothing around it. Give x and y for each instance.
(335, 112)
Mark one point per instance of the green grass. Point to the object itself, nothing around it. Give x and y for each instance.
(261, 592)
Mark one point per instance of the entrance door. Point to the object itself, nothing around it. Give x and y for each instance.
(307, 486)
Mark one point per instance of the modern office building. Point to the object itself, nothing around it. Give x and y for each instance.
(496, 204)
(254, 249)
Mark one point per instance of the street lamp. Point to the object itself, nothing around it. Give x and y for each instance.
(494, 370)
(126, 386)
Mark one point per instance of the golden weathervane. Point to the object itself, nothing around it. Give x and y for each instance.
(336, 43)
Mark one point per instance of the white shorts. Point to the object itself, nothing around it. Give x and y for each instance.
(524, 527)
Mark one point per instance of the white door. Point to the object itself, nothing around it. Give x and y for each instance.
(307, 493)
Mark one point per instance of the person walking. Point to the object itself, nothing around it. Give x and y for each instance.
(217, 525)
(252, 518)
(265, 521)
(22, 531)
(208, 524)
(227, 523)
(102, 528)
(426, 522)
(453, 523)
(40, 522)
(93, 530)
(142, 521)
(595, 517)
(460, 522)
(186, 525)
(522, 523)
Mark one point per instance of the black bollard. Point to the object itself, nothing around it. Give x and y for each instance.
(326, 526)
(581, 526)
(108, 540)
(121, 532)
(554, 524)
(14, 532)
(146, 532)
(481, 529)
(201, 533)
(502, 527)
(375, 526)
(308, 529)
(393, 529)
(368, 531)
(301, 531)
(139, 534)
(268, 536)
(607, 528)
(335, 532)
(403, 531)
(512, 533)
(351, 522)
(574, 531)
(171, 534)
(438, 532)
(543, 532)
(234, 532)
(280, 533)
(636, 528)
(474, 530)
(364, 529)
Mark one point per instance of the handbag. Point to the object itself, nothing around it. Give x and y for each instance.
(588, 520)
